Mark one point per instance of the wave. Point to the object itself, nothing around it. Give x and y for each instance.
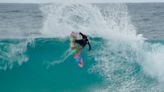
(126, 59)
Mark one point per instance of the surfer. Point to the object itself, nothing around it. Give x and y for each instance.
(83, 41)
(77, 43)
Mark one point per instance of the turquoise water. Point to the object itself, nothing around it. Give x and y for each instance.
(35, 76)
(38, 75)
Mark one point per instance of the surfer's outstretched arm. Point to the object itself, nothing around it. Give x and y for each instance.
(83, 36)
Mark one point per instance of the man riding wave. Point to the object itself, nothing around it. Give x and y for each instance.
(77, 43)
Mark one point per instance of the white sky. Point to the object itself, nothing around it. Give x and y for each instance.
(48, 1)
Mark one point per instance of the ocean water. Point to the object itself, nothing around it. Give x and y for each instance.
(127, 47)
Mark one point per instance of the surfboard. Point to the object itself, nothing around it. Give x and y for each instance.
(79, 60)
(77, 54)
(81, 64)
(75, 50)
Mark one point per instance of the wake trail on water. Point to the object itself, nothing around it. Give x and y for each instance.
(62, 59)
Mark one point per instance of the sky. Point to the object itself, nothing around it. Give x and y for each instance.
(92, 1)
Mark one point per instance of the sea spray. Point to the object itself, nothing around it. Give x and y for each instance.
(123, 61)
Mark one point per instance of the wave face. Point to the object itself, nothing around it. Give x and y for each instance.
(122, 60)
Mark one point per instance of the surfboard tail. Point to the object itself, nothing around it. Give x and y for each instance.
(81, 64)
(79, 60)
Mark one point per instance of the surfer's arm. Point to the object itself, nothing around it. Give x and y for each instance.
(89, 46)
(83, 36)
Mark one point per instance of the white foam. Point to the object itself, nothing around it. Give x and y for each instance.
(12, 53)
(154, 62)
